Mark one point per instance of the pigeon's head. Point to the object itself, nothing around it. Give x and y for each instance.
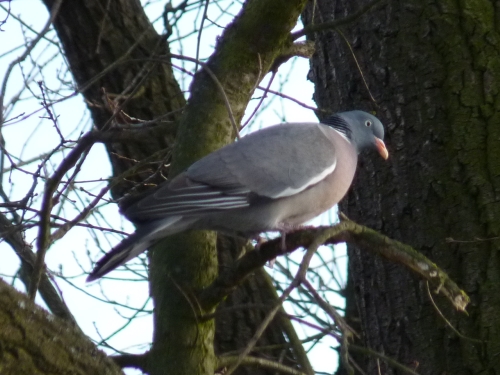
(362, 129)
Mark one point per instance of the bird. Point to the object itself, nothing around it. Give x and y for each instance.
(273, 179)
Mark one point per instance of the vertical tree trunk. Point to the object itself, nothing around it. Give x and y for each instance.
(186, 263)
(434, 71)
(117, 49)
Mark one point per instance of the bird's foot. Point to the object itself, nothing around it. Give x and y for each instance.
(285, 228)
(261, 240)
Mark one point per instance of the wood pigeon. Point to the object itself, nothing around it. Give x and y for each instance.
(274, 179)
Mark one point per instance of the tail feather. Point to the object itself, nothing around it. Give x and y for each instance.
(137, 243)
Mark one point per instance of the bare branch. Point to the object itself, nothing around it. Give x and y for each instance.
(81, 216)
(51, 297)
(337, 23)
(301, 49)
(226, 361)
(138, 361)
(39, 36)
(299, 277)
(43, 240)
(346, 231)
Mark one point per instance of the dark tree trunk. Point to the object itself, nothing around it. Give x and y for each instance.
(117, 50)
(434, 71)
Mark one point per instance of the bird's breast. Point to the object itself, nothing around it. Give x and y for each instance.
(326, 193)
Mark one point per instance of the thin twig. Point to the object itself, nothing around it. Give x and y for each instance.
(198, 41)
(32, 45)
(58, 234)
(101, 27)
(448, 323)
(330, 310)
(389, 361)
(336, 23)
(299, 277)
(357, 64)
(217, 83)
(12, 235)
(264, 95)
(263, 363)
(284, 96)
(43, 239)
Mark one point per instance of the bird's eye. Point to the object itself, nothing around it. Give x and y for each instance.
(368, 123)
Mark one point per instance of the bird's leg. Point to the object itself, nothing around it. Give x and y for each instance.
(285, 228)
(260, 240)
(283, 241)
(271, 262)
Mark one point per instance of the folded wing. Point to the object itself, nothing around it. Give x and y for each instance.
(280, 161)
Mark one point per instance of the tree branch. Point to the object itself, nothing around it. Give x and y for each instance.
(138, 361)
(337, 23)
(51, 297)
(302, 49)
(346, 231)
(226, 361)
(297, 280)
(43, 240)
(53, 13)
(33, 342)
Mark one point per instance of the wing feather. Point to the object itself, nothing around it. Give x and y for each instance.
(276, 162)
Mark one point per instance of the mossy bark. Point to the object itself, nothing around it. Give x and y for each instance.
(434, 71)
(183, 265)
(33, 342)
(94, 39)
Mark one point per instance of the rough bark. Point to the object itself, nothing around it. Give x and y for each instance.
(32, 342)
(434, 71)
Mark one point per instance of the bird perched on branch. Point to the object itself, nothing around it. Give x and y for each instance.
(274, 179)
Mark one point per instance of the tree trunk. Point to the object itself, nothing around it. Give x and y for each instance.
(117, 50)
(34, 342)
(183, 265)
(433, 69)
(94, 40)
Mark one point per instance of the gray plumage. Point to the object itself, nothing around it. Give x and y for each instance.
(276, 178)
